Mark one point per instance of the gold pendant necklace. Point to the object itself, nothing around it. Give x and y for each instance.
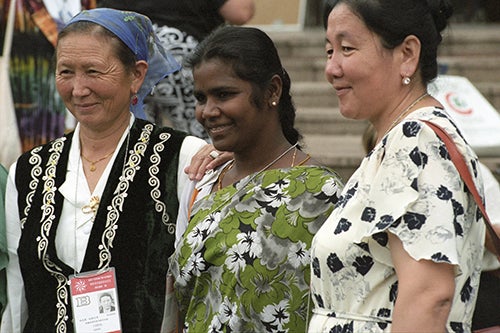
(93, 163)
(92, 206)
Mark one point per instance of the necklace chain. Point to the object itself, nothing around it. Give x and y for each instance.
(93, 163)
(294, 156)
(228, 167)
(405, 112)
(223, 173)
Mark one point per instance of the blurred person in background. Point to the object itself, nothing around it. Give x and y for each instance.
(40, 111)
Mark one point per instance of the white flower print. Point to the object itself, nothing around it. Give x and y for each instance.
(183, 276)
(227, 315)
(331, 187)
(235, 260)
(275, 316)
(200, 232)
(246, 270)
(274, 194)
(215, 325)
(298, 255)
(252, 243)
(195, 237)
(227, 311)
(196, 263)
(210, 223)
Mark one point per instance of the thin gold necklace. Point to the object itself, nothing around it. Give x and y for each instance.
(93, 163)
(405, 112)
(301, 162)
(228, 167)
(223, 173)
(293, 157)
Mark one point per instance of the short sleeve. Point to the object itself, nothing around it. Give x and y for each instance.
(419, 195)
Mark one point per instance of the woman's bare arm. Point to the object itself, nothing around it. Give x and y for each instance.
(425, 292)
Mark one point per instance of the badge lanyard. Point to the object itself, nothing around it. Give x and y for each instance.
(94, 299)
(94, 294)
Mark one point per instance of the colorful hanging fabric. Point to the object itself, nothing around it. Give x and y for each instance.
(41, 114)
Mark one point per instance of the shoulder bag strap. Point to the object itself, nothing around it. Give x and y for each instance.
(458, 160)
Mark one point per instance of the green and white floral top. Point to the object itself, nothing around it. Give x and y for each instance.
(243, 262)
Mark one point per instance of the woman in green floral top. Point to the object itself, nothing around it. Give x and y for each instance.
(242, 261)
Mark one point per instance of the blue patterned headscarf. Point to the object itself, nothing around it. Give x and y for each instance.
(136, 31)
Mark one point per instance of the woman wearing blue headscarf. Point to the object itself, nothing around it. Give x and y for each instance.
(102, 198)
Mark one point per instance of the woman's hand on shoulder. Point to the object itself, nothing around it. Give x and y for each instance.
(207, 158)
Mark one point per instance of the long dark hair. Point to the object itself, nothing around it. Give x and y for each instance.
(254, 58)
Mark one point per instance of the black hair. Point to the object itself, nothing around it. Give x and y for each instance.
(254, 58)
(106, 295)
(394, 20)
(327, 8)
(122, 51)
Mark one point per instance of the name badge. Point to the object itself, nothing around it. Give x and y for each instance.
(94, 299)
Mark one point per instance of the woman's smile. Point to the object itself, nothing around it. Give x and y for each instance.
(219, 129)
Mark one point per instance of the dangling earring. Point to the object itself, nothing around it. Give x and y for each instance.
(135, 100)
(406, 80)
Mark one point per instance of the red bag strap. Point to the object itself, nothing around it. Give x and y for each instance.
(458, 160)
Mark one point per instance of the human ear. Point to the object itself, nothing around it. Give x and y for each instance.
(138, 75)
(410, 54)
(275, 88)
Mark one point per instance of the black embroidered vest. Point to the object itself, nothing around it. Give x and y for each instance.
(134, 229)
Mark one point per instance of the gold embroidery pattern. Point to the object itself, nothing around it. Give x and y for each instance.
(160, 206)
(46, 220)
(36, 171)
(116, 207)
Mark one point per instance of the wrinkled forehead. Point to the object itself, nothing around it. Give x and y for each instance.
(133, 29)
